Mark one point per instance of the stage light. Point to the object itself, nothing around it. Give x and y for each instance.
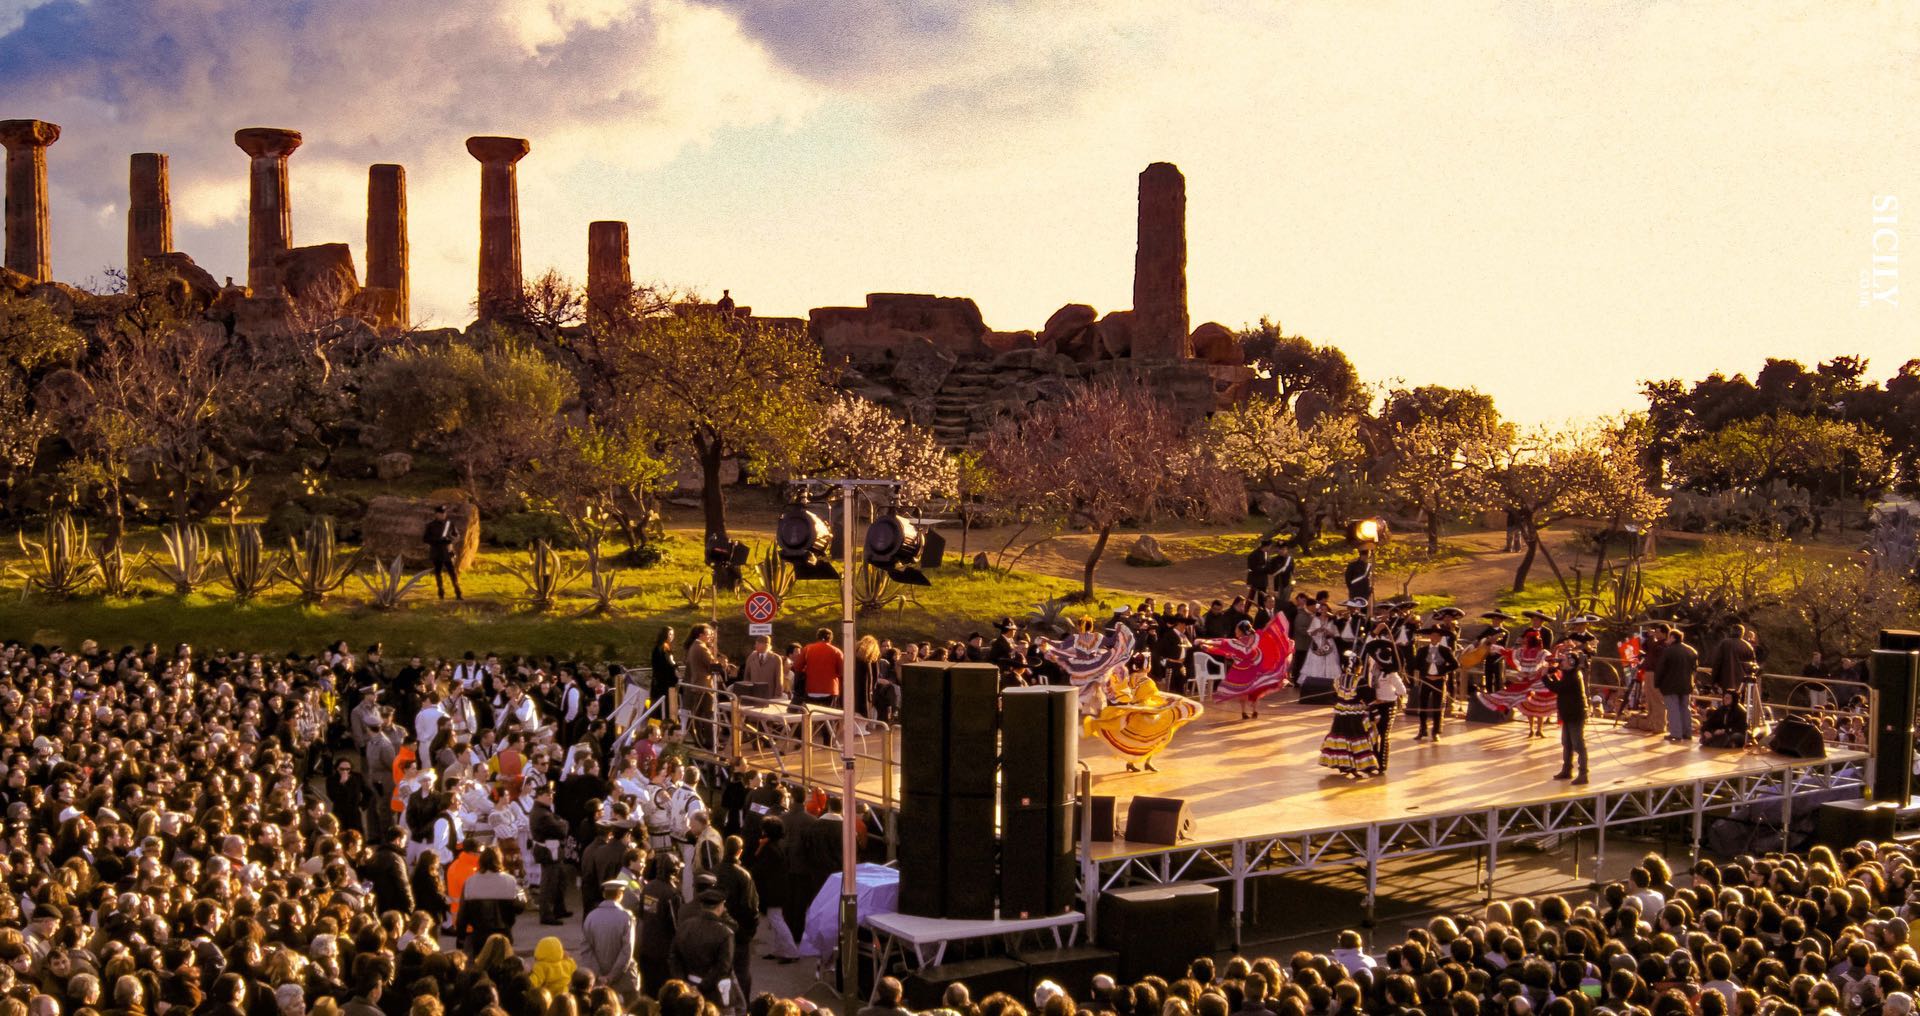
(726, 557)
(1367, 531)
(805, 541)
(893, 545)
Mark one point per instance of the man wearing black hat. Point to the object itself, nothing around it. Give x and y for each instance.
(440, 537)
(703, 947)
(1001, 652)
(1433, 666)
(1496, 637)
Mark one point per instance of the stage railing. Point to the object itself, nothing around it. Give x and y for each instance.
(799, 742)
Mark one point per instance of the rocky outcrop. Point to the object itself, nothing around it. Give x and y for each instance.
(319, 279)
(1146, 553)
(1116, 334)
(877, 333)
(184, 283)
(1067, 323)
(923, 366)
(1214, 342)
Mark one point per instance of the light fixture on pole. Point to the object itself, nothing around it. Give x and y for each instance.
(893, 544)
(806, 541)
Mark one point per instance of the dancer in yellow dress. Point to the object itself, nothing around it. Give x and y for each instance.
(1135, 717)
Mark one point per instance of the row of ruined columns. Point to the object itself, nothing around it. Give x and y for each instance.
(270, 218)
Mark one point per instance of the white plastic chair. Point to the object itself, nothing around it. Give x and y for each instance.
(1208, 671)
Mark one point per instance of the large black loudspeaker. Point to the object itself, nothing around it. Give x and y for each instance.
(1794, 737)
(1040, 750)
(1163, 820)
(1159, 929)
(949, 722)
(927, 987)
(1894, 671)
(1100, 806)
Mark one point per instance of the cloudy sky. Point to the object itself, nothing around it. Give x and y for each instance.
(1550, 200)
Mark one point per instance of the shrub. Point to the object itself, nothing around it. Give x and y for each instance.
(521, 530)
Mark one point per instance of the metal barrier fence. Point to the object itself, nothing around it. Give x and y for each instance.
(799, 742)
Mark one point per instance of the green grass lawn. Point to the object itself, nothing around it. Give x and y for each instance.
(1672, 568)
(493, 617)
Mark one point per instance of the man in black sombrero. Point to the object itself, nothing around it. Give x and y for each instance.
(1433, 667)
(1001, 652)
(1496, 637)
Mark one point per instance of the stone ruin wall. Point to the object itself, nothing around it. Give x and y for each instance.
(931, 357)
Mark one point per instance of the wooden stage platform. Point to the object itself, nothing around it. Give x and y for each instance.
(1261, 777)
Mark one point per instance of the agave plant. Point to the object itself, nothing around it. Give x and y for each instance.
(314, 564)
(1048, 615)
(110, 563)
(545, 576)
(696, 592)
(60, 567)
(603, 583)
(244, 560)
(187, 562)
(875, 590)
(772, 575)
(390, 584)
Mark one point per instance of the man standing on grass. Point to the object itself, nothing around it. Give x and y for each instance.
(440, 536)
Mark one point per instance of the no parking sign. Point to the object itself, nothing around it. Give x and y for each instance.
(760, 609)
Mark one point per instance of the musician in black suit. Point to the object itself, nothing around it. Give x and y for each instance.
(1433, 667)
(440, 536)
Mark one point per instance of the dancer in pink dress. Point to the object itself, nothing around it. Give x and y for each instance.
(1527, 693)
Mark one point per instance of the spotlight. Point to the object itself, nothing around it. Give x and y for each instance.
(893, 546)
(726, 557)
(806, 542)
(1368, 531)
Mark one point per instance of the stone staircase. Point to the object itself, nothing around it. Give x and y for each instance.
(964, 389)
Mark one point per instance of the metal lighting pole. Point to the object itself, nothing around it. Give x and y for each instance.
(849, 889)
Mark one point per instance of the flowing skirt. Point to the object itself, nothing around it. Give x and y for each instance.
(1530, 698)
(1256, 667)
(1348, 747)
(1143, 729)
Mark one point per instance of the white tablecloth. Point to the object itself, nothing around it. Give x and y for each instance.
(878, 890)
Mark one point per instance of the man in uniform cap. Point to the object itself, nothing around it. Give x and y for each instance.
(610, 937)
(703, 948)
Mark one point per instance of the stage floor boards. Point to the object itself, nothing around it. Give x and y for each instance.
(1262, 777)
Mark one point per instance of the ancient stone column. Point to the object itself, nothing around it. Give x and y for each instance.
(29, 235)
(1160, 266)
(500, 282)
(609, 279)
(269, 207)
(387, 254)
(149, 210)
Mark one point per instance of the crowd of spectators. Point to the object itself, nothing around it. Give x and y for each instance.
(338, 833)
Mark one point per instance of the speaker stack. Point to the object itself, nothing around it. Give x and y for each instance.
(1040, 746)
(1894, 673)
(949, 722)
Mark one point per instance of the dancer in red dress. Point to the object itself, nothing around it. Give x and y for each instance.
(1258, 662)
